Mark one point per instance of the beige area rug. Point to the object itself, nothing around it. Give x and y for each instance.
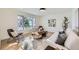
(38, 44)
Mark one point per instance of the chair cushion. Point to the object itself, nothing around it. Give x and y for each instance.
(14, 34)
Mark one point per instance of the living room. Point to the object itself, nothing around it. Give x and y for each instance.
(25, 20)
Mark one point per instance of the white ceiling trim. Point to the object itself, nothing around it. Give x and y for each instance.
(36, 11)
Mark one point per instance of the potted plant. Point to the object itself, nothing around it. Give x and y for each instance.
(65, 23)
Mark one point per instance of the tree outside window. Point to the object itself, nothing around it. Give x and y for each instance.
(25, 22)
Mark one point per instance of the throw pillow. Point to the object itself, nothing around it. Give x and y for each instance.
(61, 38)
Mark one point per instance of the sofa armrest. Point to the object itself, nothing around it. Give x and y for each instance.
(56, 46)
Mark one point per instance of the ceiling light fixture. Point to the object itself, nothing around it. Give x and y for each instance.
(42, 9)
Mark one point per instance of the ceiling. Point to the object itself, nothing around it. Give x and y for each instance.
(36, 11)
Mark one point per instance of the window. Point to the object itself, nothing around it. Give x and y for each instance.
(20, 23)
(25, 22)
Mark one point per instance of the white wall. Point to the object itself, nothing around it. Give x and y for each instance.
(59, 19)
(75, 18)
(8, 19)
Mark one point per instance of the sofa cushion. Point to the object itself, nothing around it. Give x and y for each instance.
(53, 37)
(72, 41)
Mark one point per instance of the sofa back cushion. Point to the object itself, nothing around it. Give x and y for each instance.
(68, 31)
(72, 41)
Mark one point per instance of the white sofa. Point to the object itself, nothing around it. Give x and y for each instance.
(71, 43)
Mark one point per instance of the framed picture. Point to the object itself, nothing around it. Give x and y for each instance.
(52, 22)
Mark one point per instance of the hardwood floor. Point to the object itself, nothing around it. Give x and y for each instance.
(9, 45)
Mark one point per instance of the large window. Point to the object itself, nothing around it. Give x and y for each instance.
(25, 22)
